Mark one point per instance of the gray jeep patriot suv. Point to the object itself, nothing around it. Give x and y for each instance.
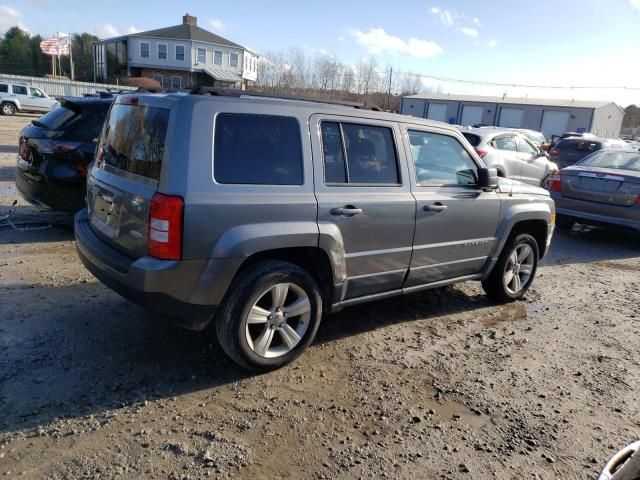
(257, 215)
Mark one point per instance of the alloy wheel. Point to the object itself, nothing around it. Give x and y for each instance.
(278, 320)
(519, 268)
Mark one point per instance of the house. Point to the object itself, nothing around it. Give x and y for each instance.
(549, 116)
(181, 56)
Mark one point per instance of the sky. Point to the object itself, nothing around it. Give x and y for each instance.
(563, 43)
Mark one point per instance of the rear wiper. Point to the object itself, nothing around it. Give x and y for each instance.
(38, 124)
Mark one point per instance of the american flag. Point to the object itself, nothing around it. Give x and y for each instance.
(55, 45)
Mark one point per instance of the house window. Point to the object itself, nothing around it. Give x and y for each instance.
(201, 55)
(176, 83)
(217, 57)
(144, 49)
(180, 53)
(233, 60)
(162, 51)
(158, 78)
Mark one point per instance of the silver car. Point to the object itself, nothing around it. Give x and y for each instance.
(512, 154)
(24, 98)
(602, 189)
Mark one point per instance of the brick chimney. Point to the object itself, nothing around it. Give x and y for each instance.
(189, 20)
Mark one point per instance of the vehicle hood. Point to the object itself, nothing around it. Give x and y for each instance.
(507, 185)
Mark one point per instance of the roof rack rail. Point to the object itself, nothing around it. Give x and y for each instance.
(234, 92)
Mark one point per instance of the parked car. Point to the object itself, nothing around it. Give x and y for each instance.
(55, 151)
(513, 155)
(571, 150)
(602, 189)
(23, 98)
(257, 215)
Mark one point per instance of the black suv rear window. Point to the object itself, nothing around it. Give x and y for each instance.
(133, 139)
(257, 149)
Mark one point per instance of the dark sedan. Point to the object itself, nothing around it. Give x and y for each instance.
(55, 151)
(603, 189)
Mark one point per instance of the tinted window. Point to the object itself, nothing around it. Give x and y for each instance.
(133, 139)
(257, 149)
(88, 125)
(334, 165)
(4, 88)
(506, 143)
(441, 160)
(474, 140)
(371, 154)
(525, 147)
(57, 118)
(19, 90)
(579, 145)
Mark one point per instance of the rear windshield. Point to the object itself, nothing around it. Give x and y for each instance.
(474, 140)
(57, 118)
(579, 144)
(619, 160)
(133, 139)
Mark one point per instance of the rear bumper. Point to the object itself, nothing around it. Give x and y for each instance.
(189, 291)
(44, 192)
(597, 213)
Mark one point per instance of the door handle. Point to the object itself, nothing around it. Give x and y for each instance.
(348, 211)
(436, 207)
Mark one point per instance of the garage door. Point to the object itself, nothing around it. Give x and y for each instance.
(554, 123)
(437, 111)
(511, 117)
(471, 115)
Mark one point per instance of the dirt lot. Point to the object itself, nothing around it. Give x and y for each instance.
(440, 384)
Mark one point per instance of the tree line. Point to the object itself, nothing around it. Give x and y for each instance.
(20, 54)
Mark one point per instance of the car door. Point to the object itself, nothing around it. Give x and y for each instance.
(534, 163)
(365, 205)
(456, 221)
(21, 93)
(508, 154)
(39, 100)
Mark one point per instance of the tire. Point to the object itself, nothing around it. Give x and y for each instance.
(496, 286)
(259, 291)
(564, 223)
(8, 109)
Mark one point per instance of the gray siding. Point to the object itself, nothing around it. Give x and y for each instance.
(607, 118)
(136, 60)
(607, 121)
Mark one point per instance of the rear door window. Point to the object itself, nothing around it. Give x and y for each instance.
(134, 138)
(19, 90)
(369, 150)
(257, 149)
(4, 88)
(525, 147)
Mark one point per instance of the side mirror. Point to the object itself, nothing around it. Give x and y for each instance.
(488, 178)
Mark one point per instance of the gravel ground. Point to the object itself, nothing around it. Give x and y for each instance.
(441, 384)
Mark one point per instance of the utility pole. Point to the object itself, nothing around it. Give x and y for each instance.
(389, 92)
(71, 57)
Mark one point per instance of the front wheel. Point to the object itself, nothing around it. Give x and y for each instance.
(515, 270)
(8, 109)
(270, 316)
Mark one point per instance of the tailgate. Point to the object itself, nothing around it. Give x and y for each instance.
(606, 186)
(125, 176)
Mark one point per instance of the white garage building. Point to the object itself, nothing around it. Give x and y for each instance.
(549, 116)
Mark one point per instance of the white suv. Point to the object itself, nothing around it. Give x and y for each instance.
(23, 98)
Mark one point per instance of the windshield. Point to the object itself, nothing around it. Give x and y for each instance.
(617, 160)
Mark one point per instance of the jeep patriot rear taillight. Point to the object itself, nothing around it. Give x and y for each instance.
(165, 227)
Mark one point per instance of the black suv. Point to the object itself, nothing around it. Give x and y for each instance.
(571, 150)
(55, 151)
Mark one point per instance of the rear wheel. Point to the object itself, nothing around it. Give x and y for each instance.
(271, 315)
(8, 109)
(515, 270)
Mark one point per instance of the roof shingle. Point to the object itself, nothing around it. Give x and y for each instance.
(188, 32)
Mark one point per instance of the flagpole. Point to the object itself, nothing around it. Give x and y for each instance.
(71, 56)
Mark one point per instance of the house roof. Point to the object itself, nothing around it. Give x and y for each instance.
(549, 102)
(188, 32)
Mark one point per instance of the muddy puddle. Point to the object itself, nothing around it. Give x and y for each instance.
(506, 313)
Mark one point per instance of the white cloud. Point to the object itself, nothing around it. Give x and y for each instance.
(10, 17)
(471, 32)
(217, 24)
(341, 38)
(492, 43)
(107, 30)
(477, 22)
(376, 41)
(635, 4)
(445, 16)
